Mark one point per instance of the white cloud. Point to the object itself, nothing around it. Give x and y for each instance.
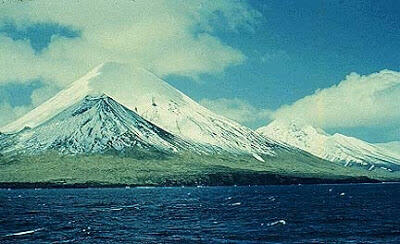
(238, 110)
(358, 101)
(167, 37)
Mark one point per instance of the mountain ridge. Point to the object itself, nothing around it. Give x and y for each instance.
(336, 147)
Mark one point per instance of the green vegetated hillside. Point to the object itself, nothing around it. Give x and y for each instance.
(156, 169)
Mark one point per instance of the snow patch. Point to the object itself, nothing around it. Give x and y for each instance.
(258, 157)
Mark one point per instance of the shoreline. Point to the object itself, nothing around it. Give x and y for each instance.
(292, 181)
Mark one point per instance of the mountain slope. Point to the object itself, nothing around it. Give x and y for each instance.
(285, 167)
(155, 100)
(91, 125)
(335, 148)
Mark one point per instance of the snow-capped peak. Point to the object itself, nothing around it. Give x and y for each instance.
(154, 99)
(336, 148)
(123, 82)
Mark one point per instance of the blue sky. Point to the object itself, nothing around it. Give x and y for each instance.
(38, 34)
(309, 45)
(283, 53)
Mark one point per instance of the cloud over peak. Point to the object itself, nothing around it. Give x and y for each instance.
(239, 110)
(357, 101)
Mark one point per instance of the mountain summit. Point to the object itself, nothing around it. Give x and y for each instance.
(155, 100)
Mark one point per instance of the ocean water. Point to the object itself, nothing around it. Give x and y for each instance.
(354, 213)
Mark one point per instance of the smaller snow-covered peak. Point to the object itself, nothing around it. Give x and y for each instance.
(295, 133)
(294, 126)
(337, 147)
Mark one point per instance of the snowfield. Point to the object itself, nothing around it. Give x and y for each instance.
(336, 148)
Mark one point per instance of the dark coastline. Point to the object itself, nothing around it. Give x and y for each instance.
(208, 180)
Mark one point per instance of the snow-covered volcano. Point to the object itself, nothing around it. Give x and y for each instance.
(94, 124)
(147, 95)
(335, 148)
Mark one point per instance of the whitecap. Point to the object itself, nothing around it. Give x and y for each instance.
(116, 209)
(24, 232)
(282, 222)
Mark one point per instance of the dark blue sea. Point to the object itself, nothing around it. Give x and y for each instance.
(354, 213)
